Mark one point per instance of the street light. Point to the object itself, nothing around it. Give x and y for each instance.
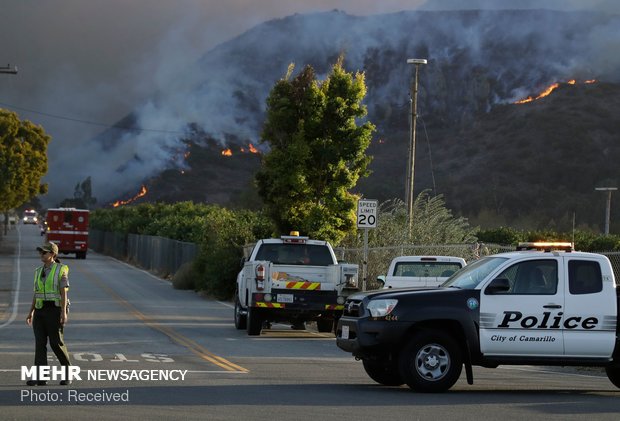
(411, 158)
(608, 208)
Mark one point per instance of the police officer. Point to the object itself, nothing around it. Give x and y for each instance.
(48, 313)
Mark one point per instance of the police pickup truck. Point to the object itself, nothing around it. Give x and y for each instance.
(292, 279)
(543, 304)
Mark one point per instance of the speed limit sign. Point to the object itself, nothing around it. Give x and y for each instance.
(367, 213)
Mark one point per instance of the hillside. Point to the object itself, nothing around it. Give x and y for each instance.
(494, 161)
(536, 164)
(529, 165)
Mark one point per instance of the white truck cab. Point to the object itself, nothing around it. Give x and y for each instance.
(292, 279)
(420, 271)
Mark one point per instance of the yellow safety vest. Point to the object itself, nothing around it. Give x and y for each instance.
(49, 288)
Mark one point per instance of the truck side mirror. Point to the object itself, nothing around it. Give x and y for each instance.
(242, 262)
(381, 280)
(497, 286)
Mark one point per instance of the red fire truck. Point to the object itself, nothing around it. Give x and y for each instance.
(68, 228)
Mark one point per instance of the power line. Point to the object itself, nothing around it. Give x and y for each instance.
(430, 155)
(92, 123)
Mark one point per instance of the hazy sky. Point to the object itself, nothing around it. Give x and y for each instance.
(96, 60)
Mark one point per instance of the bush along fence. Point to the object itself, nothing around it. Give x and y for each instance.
(157, 254)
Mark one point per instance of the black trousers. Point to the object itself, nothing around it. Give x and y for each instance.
(46, 325)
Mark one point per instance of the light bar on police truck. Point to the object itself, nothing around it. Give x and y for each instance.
(546, 246)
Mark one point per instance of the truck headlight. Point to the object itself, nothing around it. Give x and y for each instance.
(381, 308)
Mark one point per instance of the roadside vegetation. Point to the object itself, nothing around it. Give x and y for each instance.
(221, 234)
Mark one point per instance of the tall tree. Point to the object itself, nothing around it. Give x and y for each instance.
(23, 161)
(317, 152)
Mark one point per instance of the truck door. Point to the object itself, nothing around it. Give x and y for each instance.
(590, 311)
(526, 319)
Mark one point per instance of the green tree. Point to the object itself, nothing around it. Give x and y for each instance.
(23, 161)
(317, 152)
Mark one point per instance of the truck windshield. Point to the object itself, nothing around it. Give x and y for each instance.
(471, 275)
(295, 254)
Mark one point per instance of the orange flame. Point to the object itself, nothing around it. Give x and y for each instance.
(251, 148)
(541, 95)
(550, 89)
(142, 192)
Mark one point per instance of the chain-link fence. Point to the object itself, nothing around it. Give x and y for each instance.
(109, 243)
(158, 254)
(614, 258)
(379, 258)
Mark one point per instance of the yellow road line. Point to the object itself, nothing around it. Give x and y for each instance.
(197, 349)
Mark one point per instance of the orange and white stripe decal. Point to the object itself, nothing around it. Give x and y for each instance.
(269, 305)
(304, 285)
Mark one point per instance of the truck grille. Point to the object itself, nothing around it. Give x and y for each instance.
(353, 308)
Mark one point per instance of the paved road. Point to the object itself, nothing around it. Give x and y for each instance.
(123, 318)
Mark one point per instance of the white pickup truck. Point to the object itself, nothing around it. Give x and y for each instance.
(292, 279)
(544, 304)
(420, 271)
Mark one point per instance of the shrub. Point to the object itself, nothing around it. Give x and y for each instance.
(185, 277)
(225, 235)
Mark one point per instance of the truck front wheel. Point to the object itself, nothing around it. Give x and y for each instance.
(430, 362)
(613, 374)
(254, 322)
(384, 372)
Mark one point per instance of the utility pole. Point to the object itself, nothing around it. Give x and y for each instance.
(411, 158)
(608, 207)
(8, 69)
